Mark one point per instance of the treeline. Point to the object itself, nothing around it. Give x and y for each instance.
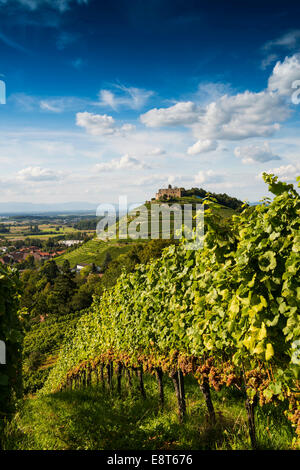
(224, 199)
(87, 224)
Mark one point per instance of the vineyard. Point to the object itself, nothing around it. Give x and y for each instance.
(227, 314)
(94, 251)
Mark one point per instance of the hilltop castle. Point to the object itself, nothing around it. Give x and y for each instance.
(169, 192)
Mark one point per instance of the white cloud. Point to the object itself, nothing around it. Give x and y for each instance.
(288, 40)
(53, 105)
(235, 117)
(101, 124)
(201, 146)
(96, 124)
(284, 74)
(62, 104)
(156, 152)
(23, 101)
(180, 114)
(285, 172)
(128, 127)
(230, 118)
(130, 97)
(124, 163)
(37, 174)
(47, 106)
(242, 116)
(208, 177)
(255, 153)
(268, 60)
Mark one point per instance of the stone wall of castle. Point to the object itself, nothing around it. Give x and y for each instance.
(169, 193)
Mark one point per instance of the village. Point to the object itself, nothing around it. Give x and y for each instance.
(36, 239)
(20, 255)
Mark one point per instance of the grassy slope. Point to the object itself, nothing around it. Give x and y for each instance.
(94, 419)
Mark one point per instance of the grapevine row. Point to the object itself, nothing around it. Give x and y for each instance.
(228, 313)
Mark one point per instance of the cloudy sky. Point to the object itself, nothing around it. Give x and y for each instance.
(123, 97)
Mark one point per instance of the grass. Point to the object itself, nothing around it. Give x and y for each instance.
(93, 419)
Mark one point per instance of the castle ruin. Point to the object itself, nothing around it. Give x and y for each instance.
(169, 193)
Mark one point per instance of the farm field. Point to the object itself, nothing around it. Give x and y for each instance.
(22, 231)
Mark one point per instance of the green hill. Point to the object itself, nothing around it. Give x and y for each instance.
(95, 250)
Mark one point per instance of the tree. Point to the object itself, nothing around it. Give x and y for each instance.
(50, 270)
(29, 262)
(59, 298)
(106, 261)
(66, 268)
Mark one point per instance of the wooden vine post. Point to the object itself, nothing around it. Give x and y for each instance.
(109, 377)
(205, 389)
(89, 376)
(250, 408)
(159, 377)
(102, 375)
(119, 377)
(129, 377)
(141, 381)
(178, 382)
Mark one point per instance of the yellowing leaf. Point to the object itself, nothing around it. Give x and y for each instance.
(209, 344)
(259, 348)
(234, 306)
(262, 332)
(269, 351)
(247, 342)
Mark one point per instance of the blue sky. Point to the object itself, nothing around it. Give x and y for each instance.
(122, 97)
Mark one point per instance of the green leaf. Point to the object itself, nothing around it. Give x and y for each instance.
(267, 262)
